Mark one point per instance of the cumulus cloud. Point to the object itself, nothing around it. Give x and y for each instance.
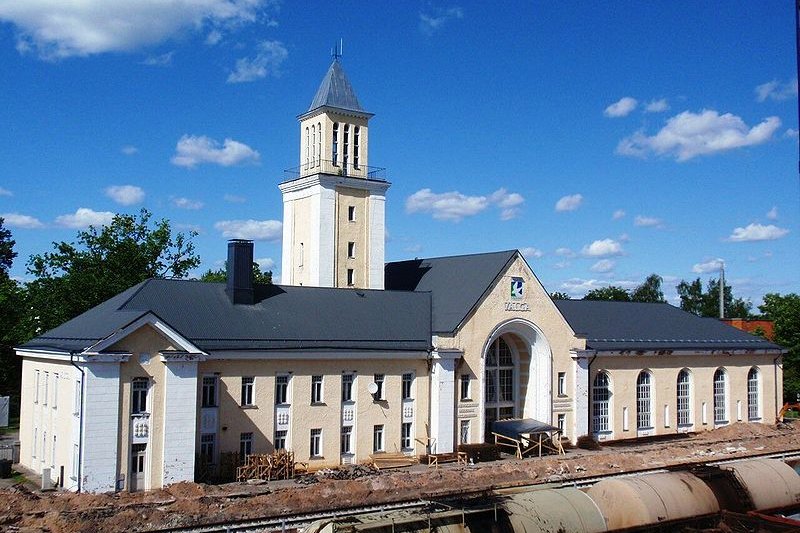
(192, 150)
(265, 263)
(777, 91)
(647, 222)
(16, 220)
(603, 266)
(454, 206)
(125, 194)
(85, 217)
(213, 37)
(5, 192)
(430, 23)
(757, 232)
(791, 133)
(621, 108)
(602, 248)
(129, 149)
(657, 106)
(186, 203)
(269, 57)
(618, 214)
(530, 251)
(163, 60)
(712, 265)
(772, 214)
(689, 135)
(565, 252)
(55, 29)
(234, 199)
(569, 203)
(256, 230)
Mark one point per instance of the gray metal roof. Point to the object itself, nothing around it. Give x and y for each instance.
(620, 326)
(336, 91)
(457, 283)
(283, 318)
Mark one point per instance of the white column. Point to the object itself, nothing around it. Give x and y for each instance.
(101, 406)
(581, 387)
(326, 244)
(180, 419)
(287, 259)
(377, 239)
(443, 407)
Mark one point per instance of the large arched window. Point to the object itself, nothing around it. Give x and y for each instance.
(601, 398)
(356, 142)
(720, 397)
(752, 394)
(644, 401)
(308, 140)
(499, 398)
(346, 156)
(313, 145)
(335, 144)
(684, 389)
(319, 143)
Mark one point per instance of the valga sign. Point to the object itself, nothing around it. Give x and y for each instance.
(517, 293)
(517, 306)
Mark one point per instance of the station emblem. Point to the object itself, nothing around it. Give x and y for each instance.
(517, 288)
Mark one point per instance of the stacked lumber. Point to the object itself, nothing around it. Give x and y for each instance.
(279, 464)
(382, 461)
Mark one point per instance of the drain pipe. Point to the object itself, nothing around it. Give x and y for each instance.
(590, 422)
(80, 421)
(778, 406)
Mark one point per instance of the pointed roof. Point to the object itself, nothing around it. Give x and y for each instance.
(336, 91)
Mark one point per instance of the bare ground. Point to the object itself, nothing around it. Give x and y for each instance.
(184, 504)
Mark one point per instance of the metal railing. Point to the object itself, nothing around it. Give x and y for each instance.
(335, 168)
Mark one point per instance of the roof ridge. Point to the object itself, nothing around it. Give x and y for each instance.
(512, 250)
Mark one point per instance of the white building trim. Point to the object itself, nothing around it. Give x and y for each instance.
(150, 319)
(180, 420)
(443, 400)
(101, 403)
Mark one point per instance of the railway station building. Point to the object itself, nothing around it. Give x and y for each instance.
(351, 356)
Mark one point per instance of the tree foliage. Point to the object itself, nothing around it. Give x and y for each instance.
(706, 303)
(11, 308)
(612, 292)
(784, 311)
(104, 261)
(221, 275)
(649, 290)
(560, 296)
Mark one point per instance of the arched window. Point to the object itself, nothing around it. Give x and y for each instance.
(319, 143)
(684, 398)
(644, 403)
(499, 374)
(313, 145)
(335, 144)
(752, 394)
(346, 156)
(720, 397)
(601, 398)
(356, 141)
(307, 147)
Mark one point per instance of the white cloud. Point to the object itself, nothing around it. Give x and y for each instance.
(129, 149)
(213, 37)
(269, 57)
(530, 251)
(430, 23)
(772, 214)
(618, 214)
(791, 133)
(689, 135)
(85, 217)
(5, 192)
(561, 265)
(15, 220)
(265, 263)
(624, 238)
(777, 91)
(602, 248)
(569, 203)
(621, 108)
(234, 199)
(565, 252)
(186, 203)
(257, 230)
(125, 194)
(603, 266)
(578, 286)
(56, 29)
(455, 206)
(757, 232)
(192, 150)
(657, 106)
(164, 60)
(712, 265)
(647, 222)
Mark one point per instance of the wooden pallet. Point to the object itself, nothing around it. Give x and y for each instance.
(384, 461)
(280, 464)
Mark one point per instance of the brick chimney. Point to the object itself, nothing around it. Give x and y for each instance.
(240, 271)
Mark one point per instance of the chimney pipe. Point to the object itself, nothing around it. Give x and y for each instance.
(240, 271)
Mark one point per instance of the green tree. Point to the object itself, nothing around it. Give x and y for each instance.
(221, 275)
(11, 306)
(649, 290)
(611, 292)
(560, 296)
(695, 300)
(784, 311)
(105, 261)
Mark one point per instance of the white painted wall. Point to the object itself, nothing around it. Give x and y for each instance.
(100, 426)
(443, 401)
(581, 388)
(377, 240)
(180, 420)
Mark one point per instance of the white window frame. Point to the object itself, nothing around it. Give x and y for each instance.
(351, 213)
(53, 453)
(684, 398)
(464, 430)
(46, 388)
(317, 389)
(379, 380)
(465, 387)
(315, 444)
(282, 389)
(281, 436)
(351, 277)
(562, 383)
(245, 445)
(75, 461)
(206, 440)
(140, 395)
(406, 436)
(601, 403)
(753, 394)
(351, 250)
(644, 400)
(561, 423)
(213, 381)
(248, 397)
(407, 388)
(55, 391)
(35, 446)
(720, 391)
(378, 444)
(76, 408)
(348, 380)
(36, 378)
(346, 441)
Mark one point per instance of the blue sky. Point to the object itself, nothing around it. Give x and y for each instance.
(607, 141)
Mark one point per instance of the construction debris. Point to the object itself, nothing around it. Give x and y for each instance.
(280, 464)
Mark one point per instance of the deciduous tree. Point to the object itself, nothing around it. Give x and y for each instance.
(695, 300)
(784, 311)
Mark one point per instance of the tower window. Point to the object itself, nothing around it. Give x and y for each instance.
(346, 146)
(307, 146)
(351, 276)
(356, 139)
(351, 250)
(335, 145)
(313, 145)
(351, 213)
(319, 143)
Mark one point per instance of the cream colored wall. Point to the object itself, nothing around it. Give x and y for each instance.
(624, 371)
(302, 234)
(355, 231)
(260, 419)
(43, 415)
(326, 120)
(146, 340)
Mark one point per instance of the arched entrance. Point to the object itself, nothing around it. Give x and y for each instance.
(516, 375)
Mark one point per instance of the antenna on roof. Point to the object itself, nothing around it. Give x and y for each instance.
(336, 51)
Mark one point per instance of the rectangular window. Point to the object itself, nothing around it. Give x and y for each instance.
(346, 150)
(55, 391)
(75, 460)
(44, 445)
(625, 425)
(245, 445)
(280, 439)
(562, 422)
(347, 387)
(562, 383)
(506, 379)
(209, 391)
(76, 409)
(351, 250)
(36, 387)
(351, 213)
(248, 383)
(316, 389)
(281, 389)
(379, 383)
(207, 441)
(315, 450)
(35, 441)
(139, 388)
(465, 393)
(347, 439)
(53, 454)
(356, 141)
(408, 380)
(351, 277)
(46, 388)
(684, 406)
(335, 144)
(405, 436)
(491, 387)
(463, 433)
(377, 438)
